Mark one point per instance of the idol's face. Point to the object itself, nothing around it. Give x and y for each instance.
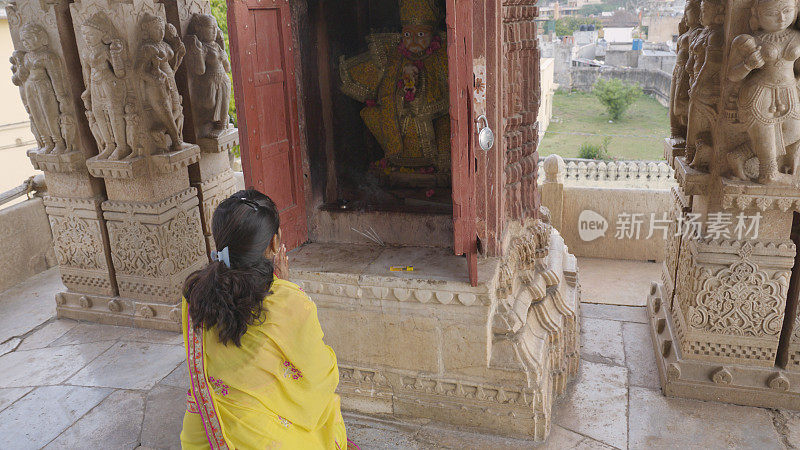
(208, 30)
(708, 12)
(417, 38)
(776, 15)
(692, 17)
(32, 41)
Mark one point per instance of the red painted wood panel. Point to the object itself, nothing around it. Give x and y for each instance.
(266, 100)
(459, 53)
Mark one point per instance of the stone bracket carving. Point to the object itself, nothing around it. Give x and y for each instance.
(139, 166)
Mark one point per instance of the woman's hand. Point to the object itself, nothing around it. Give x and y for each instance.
(281, 263)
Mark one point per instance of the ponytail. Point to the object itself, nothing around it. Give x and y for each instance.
(232, 298)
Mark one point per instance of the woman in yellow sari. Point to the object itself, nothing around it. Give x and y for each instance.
(261, 375)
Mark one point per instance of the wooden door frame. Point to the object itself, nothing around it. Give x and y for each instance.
(240, 24)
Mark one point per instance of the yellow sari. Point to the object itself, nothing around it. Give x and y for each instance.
(275, 391)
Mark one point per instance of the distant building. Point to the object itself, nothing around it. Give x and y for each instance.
(618, 34)
(661, 27)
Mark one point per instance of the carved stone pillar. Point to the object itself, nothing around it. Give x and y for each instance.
(129, 56)
(46, 69)
(722, 317)
(205, 87)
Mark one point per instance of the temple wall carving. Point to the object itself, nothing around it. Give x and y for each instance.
(719, 316)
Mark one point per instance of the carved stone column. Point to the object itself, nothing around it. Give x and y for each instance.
(46, 69)
(129, 56)
(719, 318)
(205, 87)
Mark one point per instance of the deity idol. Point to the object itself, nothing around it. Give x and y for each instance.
(209, 68)
(156, 62)
(403, 81)
(37, 70)
(768, 99)
(704, 67)
(107, 90)
(679, 107)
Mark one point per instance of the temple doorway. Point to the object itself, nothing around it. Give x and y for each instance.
(382, 121)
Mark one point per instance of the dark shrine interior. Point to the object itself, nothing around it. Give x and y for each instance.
(344, 156)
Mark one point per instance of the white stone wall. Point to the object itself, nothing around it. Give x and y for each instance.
(26, 241)
(625, 197)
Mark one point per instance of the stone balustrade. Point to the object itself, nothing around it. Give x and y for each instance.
(621, 199)
(618, 174)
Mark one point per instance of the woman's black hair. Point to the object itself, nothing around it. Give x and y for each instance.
(231, 299)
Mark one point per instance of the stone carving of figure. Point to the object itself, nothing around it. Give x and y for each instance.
(156, 62)
(208, 67)
(705, 63)
(403, 81)
(107, 90)
(679, 107)
(38, 73)
(769, 104)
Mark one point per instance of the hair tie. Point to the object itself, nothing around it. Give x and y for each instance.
(222, 256)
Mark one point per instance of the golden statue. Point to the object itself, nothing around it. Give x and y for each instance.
(402, 79)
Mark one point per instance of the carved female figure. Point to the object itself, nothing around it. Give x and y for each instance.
(769, 103)
(704, 66)
(37, 70)
(153, 62)
(679, 108)
(209, 67)
(107, 90)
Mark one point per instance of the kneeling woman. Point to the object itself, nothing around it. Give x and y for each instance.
(261, 376)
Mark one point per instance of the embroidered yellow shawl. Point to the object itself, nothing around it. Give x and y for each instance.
(275, 391)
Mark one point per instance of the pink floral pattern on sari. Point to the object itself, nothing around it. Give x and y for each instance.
(290, 371)
(200, 387)
(219, 387)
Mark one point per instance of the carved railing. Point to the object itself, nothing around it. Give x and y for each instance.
(33, 185)
(620, 174)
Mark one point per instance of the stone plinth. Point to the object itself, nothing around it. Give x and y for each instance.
(426, 344)
(213, 177)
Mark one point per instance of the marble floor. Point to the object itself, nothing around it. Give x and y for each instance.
(68, 384)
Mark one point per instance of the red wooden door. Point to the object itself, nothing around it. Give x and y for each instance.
(266, 102)
(459, 54)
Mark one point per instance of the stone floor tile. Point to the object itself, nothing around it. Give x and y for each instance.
(47, 334)
(179, 377)
(29, 304)
(9, 345)
(86, 332)
(43, 414)
(163, 417)
(130, 365)
(439, 436)
(787, 423)
(601, 341)
(596, 406)
(615, 281)
(115, 423)
(154, 336)
(639, 355)
(660, 422)
(10, 395)
(47, 366)
(560, 438)
(613, 312)
(371, 433)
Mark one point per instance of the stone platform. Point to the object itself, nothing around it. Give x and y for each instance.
(69, 384)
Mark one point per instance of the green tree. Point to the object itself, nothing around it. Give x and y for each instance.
(616, 95)
(566, 25)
